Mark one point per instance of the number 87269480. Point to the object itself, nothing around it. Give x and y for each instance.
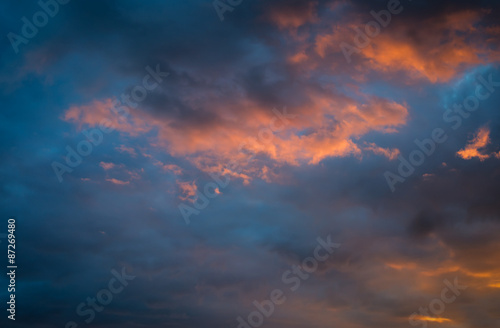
(11, 253)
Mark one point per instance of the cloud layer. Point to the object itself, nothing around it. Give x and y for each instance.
(311, 132)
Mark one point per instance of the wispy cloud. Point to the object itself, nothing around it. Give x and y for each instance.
(475, 148)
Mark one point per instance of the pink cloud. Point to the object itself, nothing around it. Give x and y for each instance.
(107, 166)
(475, 147)
(129, 150)
(188, 190)
(391, 154)
(334, 123)
(105, 113)
(173, 168)
(118, 182)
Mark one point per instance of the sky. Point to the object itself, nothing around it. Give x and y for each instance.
(249, 163)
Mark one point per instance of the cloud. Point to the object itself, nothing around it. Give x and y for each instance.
(292, 14)
(432, 319)
(475, 147)
(443, 46)
(321, 173)
(107, 166)
(104, 113)
(439, 55)
(187, 190)
(128, 150)
(328, 127)
(391, 154)
(117, 182)
(173, 168)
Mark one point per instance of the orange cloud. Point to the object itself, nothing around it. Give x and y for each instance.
(118, 182)
(298, 57)
(188, 190)
(439, 49)
(473, 147)
(402, 266)
(327, 125)
(391, 154)
(292, 17)
(438, 63)
(105, 113)
(173, 168)
(107, 166)
(432, 319)
(332, 125)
